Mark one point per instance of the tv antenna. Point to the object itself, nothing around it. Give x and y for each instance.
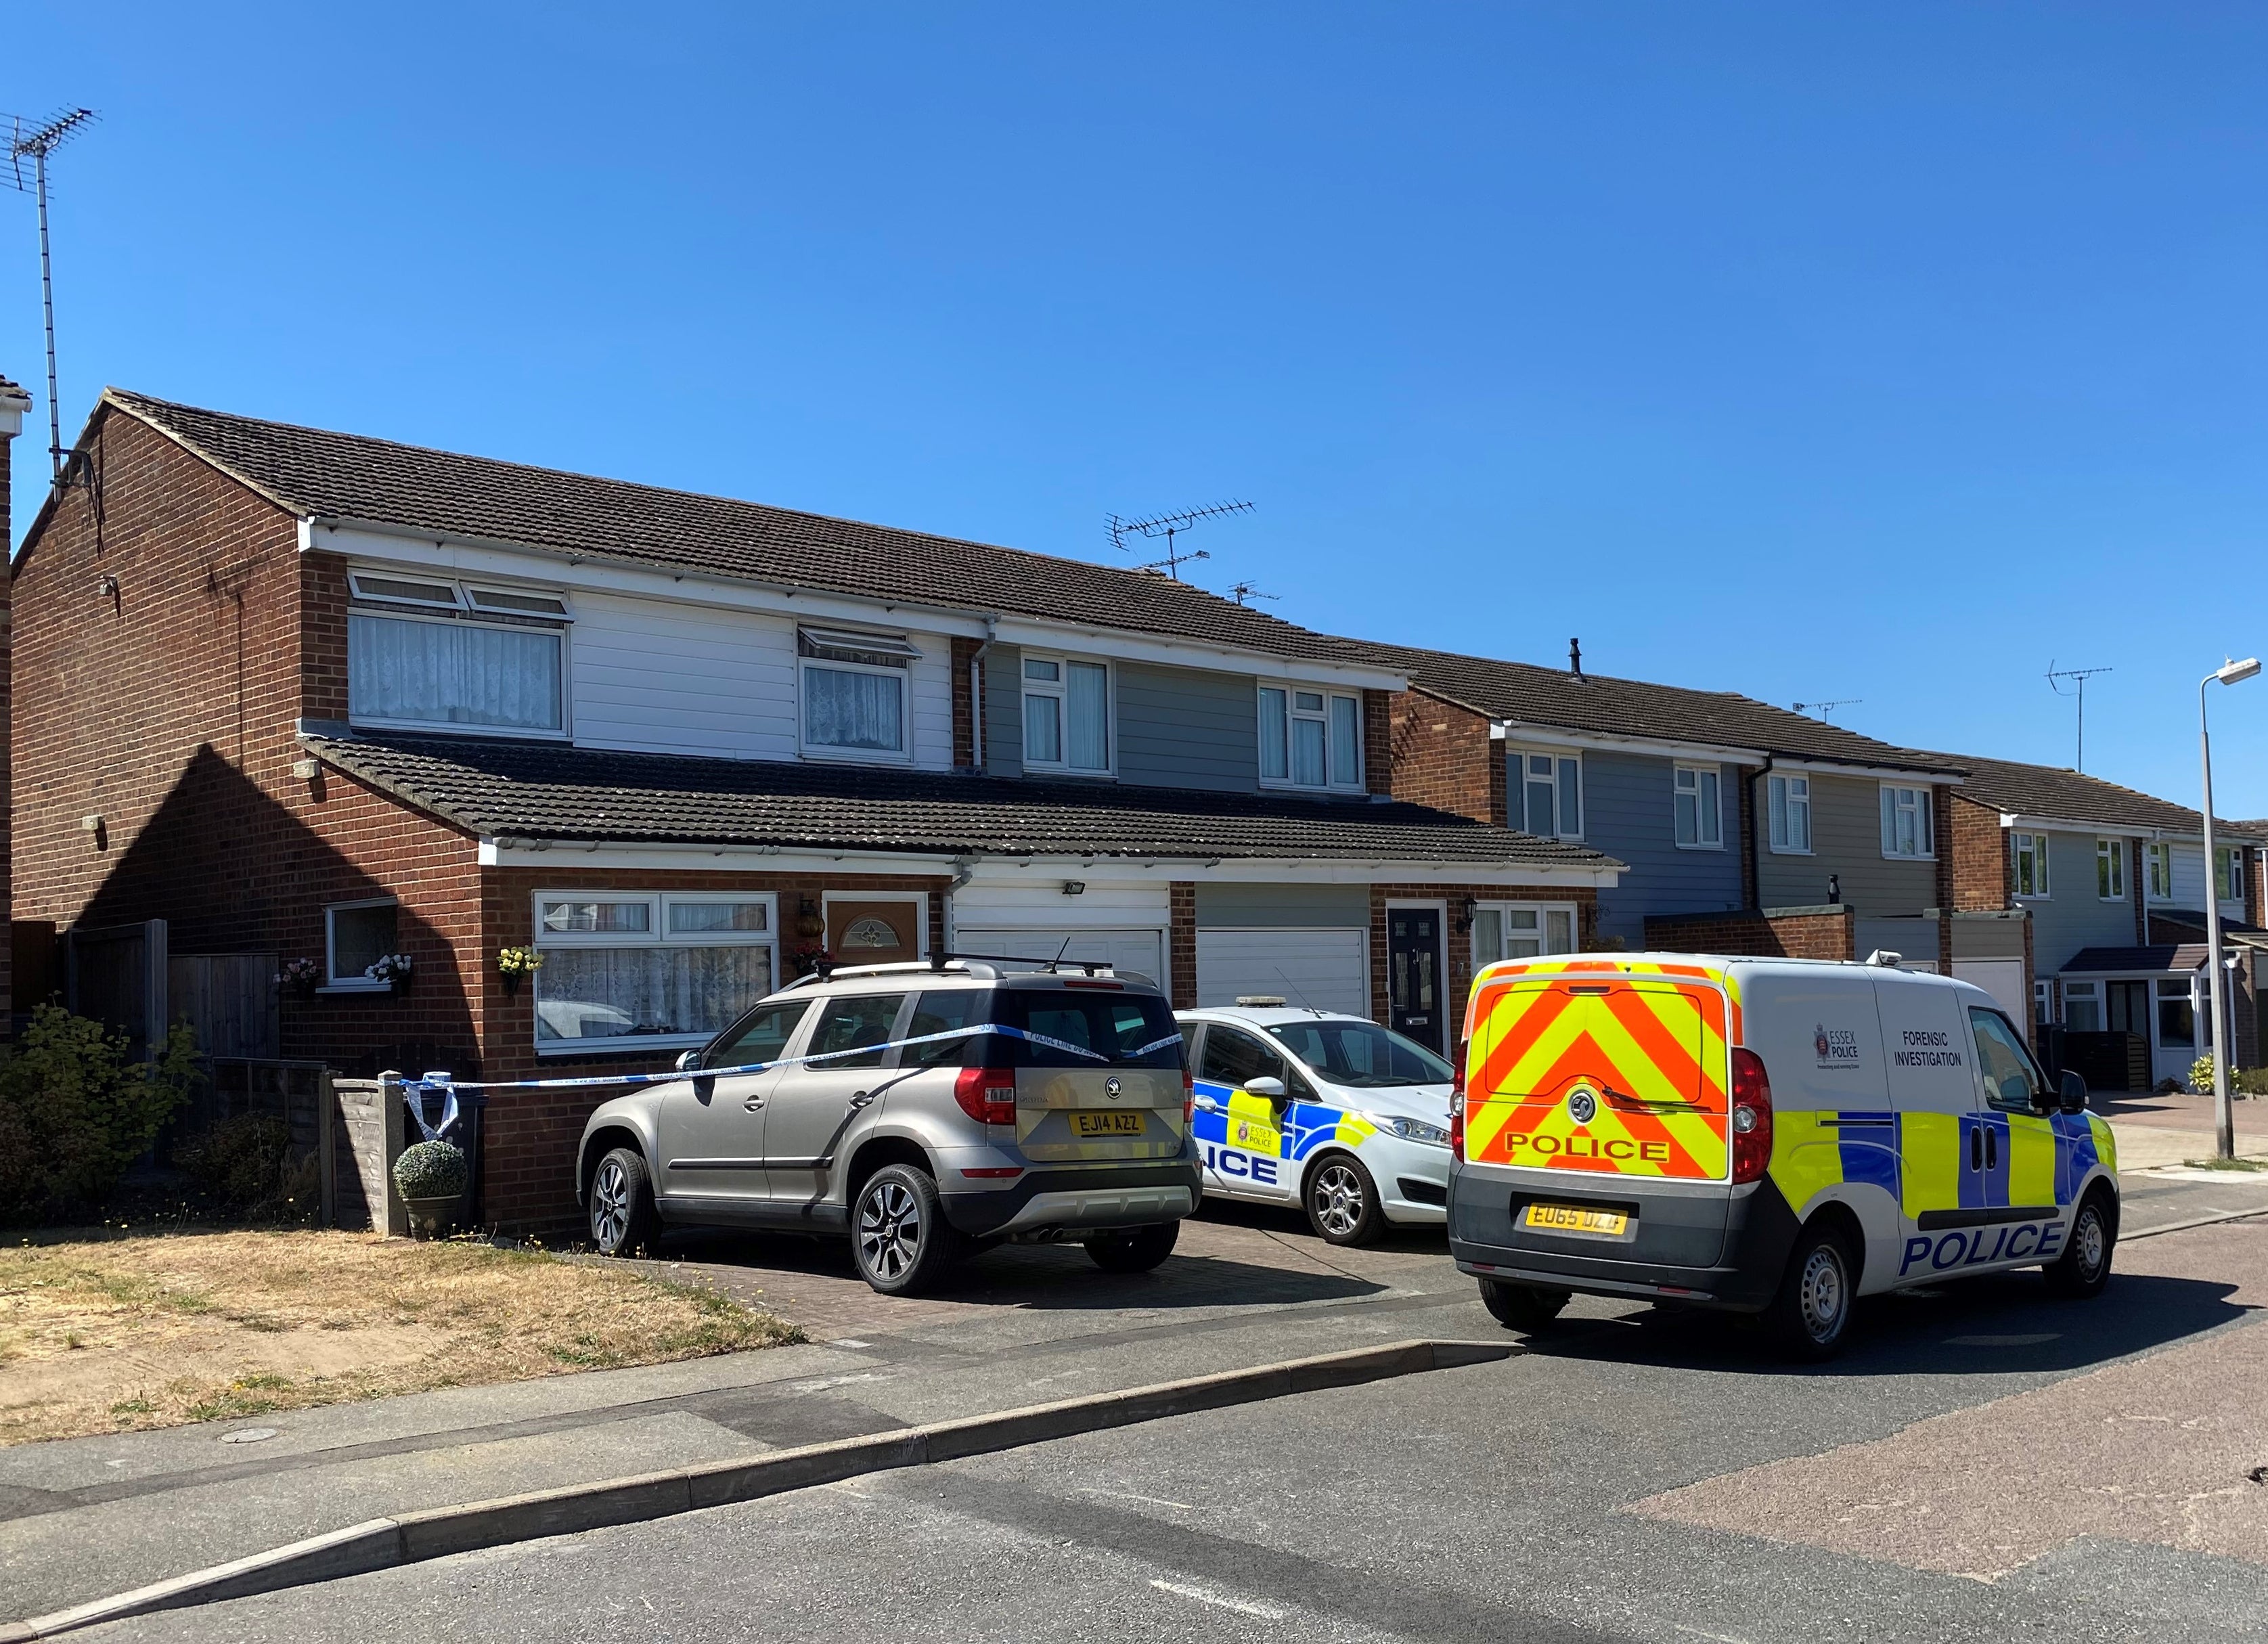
(1823, 709)
(2078, 676)
(1244, 591)
(1169, 526)
(34, 142)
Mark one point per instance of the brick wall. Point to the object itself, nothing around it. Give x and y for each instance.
(1182, 941)
(7, 544)
(1443, 755)
(1751, 933)
(964, 705)
(1459, 939)
(1981, 870)
(1378, 742)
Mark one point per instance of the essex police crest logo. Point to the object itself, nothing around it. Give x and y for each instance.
(1582, 1105)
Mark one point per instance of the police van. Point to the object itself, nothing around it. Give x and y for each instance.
(1767, 1136)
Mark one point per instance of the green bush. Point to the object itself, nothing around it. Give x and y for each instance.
(430, 1170)
(2245, 1081)
(75, 1112)
(240, 1163)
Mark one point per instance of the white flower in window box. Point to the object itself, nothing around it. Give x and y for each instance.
(391, 968)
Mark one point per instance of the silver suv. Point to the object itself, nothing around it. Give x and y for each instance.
(955, 1104)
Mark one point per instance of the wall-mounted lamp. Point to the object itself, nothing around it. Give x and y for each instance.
(1074, 888)
(1834, 888)
(305, 770)
(94, 828)
(106, 587)
(1466, 910)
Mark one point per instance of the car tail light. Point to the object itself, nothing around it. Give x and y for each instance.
(1188, 1097)
(1457, 1106)
(1752, 1116)
(987, 1094)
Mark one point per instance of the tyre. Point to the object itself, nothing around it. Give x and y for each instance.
(622, 1220)
(2084, 1267)
(1527, 1307)
(1136, 1252)
(899, 1237)
(1342, 1200)
(1810, 1315)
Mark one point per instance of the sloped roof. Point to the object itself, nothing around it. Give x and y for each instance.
(552, 791)
(2160, 956)
(2050, 791)
(1604, 705)
(314, 472)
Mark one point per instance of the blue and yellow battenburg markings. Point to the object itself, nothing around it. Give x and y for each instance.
(1242, 1138)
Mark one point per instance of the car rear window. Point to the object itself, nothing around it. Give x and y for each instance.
(1123, 1029)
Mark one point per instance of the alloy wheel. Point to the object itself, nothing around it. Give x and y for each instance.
(1821, 1294)
(1338, 1198)
(889, 1230)
(610, 1206)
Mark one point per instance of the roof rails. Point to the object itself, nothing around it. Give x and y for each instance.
(988, 967)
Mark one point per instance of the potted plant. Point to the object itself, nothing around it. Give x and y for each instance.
(515, 965)
(300, 978)
(392, 969)
(431, 1178)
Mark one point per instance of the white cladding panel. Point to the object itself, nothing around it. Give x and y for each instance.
(659, 677)
(1327, 969)
(1142, 952)
(2004, 980)
(2189, 876)
(1042, 903)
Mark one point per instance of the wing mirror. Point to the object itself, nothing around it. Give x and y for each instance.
(1267, 1085)
(689, 1061)
(2071, 1091)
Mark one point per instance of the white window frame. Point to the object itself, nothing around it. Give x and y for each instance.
(560, 628)
(2044, 1004)
(1516, 774)
(1542, 910)
(852, 639)
(1924, 811)
(2158, 870)
(1787, 781)
(2033, 847)
(2114, 851)
(333, 982)
(1714, 775)
(657, 934)
(1059, 688)
(1292, 711)
(2238, 872)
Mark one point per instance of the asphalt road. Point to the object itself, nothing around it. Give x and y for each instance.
(1984, 1463)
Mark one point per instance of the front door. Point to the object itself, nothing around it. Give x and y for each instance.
(712, 1129)
(1415, 981)
(814, 1105)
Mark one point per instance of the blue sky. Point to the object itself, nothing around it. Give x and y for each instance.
(1879, 352)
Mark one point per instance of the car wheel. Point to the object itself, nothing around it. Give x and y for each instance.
(1809, 1316)
(1526, 1308)
(899, 1237)
(1136, 1251)
(1342, 1200)
(621, 1203)
(2084, 1267)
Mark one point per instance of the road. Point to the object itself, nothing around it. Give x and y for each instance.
(1984, 1463)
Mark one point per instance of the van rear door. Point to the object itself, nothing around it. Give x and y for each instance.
(1601, 1074)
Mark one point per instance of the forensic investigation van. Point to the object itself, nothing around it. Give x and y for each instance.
(1766, 1136)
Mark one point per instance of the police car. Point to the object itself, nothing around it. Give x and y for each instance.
(1333, 1113)
(1775, 1137)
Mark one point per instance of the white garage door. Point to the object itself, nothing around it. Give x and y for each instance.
(1142, 952)
(1327, 969)
(2004, 980)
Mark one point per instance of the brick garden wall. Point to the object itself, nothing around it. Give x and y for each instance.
(1754, 934)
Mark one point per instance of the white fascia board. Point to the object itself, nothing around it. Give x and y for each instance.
(1546, 736)
(1911, 776)
(431, 551)
(2064, 824)
(566, 856)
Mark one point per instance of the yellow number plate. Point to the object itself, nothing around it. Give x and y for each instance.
(1106, 1124)
(1576, 1219)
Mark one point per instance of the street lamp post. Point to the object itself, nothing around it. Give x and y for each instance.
(2224, 1117)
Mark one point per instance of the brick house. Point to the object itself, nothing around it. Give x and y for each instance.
(1742, 828)
(2098, 892)
(309, 696)
(14, 402)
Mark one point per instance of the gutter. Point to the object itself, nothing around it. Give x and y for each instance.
(977, 693)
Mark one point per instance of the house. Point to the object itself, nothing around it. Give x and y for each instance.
(1743, 828)
(305, 705)
(2109, 888)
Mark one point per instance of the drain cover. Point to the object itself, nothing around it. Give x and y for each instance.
(247, 1435)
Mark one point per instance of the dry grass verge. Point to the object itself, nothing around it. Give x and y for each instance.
(106, 1334)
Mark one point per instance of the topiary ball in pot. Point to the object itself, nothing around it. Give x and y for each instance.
(431, 1177)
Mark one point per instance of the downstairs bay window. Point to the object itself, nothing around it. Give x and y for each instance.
(1511, 931)
(629, 970)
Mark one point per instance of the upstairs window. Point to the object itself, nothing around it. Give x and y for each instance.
(1066, 715)
(1906, 829)
(1310, 738)
(854, 692)
(2229, 872)
(426, 654)
(2110, 869)
(1547, 797)
(2031, 864)
(1790, 804)
(2158, 871)
(1698, 816)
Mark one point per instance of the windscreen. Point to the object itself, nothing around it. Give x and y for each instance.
(1361, 1054)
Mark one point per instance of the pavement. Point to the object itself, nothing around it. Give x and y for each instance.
(2154, 1131)
(1637, 1474)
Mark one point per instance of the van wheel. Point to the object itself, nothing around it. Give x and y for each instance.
(1135, 1251)
(1342, 1200)
(2084, 1267)
(1527, 1307)
(1810, 1315)
(899, 1237)
(621, 1203)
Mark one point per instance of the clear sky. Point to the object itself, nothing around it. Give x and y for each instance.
(1881, 351)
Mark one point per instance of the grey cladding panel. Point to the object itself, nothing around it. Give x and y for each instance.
(1187, 728)
(1304, 906)
(1846, 841)
(1627, 813)
(1003, 712)
(2071, 916)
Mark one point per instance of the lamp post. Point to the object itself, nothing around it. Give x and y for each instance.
(2224, 1117)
